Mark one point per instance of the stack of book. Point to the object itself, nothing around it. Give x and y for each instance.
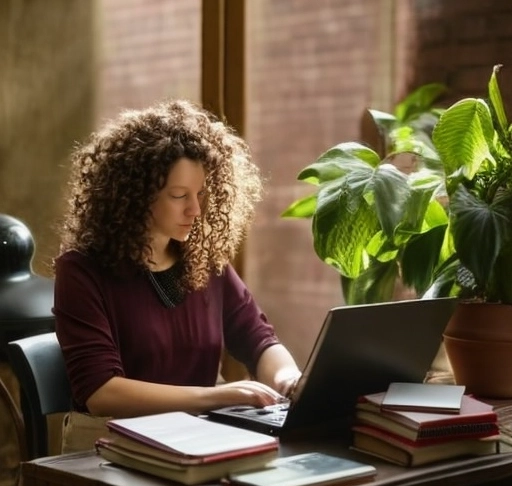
(185, 448)
(503, 409)
(405, 436)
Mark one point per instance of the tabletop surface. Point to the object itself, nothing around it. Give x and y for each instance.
(87, 468)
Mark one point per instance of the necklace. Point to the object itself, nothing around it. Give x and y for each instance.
(167, 285)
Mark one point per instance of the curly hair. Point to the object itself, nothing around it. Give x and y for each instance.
(117, 173)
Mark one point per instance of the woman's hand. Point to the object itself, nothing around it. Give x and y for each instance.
(287, 382)
(246, 392)
(122, 397)
(278, 369)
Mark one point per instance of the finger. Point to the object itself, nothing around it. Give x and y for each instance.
(263, 389)
(288, 387)
(253, 393)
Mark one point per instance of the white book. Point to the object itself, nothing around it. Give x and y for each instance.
(188, 435)
(423, 397)
(184, 447)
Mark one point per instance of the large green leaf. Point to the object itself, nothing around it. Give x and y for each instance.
(301, 208)
(463, 135)
(421, 206)
(404, 139)
(334, 169)
(421, 256)
(338, 161)
(385, 121)
(342, 229)
(418, 219)
(445, 281)
(480, 231)
(435, 215)
(324, 171)
(376, 284)
(382, 248)
(359, 151)
(425, 180)
(448, 251)
(419, 101)
(351, 187)
(388, 192)
(353, 210)
(497, 104)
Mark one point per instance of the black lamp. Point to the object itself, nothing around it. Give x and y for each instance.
(26, 299)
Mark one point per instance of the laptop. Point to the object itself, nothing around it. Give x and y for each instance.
(360, 349)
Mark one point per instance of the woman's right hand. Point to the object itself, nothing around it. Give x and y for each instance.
(245, 392)
(123, 397)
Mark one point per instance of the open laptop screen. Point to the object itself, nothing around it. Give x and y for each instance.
(360, 350)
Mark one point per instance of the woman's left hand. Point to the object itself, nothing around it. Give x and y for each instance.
(286, 382)
(278, 369)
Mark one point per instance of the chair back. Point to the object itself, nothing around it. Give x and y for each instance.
(38, 363)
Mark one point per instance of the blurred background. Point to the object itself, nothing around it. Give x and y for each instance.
(294, 79)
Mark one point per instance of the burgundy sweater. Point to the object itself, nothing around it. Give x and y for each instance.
(111, 326)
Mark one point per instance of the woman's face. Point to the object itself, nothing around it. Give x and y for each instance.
(179, 202)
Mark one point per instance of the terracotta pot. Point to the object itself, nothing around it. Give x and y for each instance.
(478, 342)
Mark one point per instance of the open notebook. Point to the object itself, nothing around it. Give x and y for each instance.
(359, 350)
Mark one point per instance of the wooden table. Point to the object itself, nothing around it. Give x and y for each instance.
(88, 469)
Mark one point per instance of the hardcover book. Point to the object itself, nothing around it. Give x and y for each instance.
(192, 438)
(184, 447)
(476, 419)
(404, 452)
(190, 472)
(423, 397)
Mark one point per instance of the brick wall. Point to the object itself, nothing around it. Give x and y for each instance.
(458, 43)
(311, 67)
(147, 50)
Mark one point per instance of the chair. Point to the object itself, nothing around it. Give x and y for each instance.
(39, 366)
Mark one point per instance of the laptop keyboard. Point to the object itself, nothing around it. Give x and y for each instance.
(271, 413)
(279, 408)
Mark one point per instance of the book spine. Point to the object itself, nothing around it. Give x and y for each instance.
(393, 438)
(459, 430)
(429, 430)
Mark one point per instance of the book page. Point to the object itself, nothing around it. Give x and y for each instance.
(190, 435)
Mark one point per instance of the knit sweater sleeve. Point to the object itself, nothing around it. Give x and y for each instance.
(85, 335)
(247, 332)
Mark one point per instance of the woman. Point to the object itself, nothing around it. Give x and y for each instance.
(145, 297)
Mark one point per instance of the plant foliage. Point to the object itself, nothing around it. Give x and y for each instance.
(445, 228)
(473, 138)
(366, 214)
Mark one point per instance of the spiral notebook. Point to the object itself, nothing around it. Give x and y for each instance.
(360, 349)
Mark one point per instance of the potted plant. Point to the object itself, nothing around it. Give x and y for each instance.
(370, 220)
(445, 228)
(473, 139)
